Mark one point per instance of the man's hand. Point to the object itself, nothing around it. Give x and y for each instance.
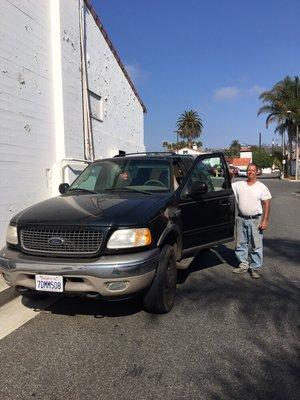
(263, 225)
(264, 222)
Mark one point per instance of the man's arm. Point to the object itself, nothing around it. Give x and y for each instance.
(266, 212)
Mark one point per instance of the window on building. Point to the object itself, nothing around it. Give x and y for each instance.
(96, 107)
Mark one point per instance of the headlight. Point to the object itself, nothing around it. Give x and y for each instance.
(126, 238)
(12, 234)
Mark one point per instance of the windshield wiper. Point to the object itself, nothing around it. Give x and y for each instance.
(82, 190)
(126, 189)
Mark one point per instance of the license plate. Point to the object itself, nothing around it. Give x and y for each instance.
(49, 283)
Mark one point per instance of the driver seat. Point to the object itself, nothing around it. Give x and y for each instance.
(164, 178)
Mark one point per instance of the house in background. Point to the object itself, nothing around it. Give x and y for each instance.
(65, 99)
(246, 152)
(194, 151)
(243, 161)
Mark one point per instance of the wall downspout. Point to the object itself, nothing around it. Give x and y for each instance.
(89, 153)
(54, 177)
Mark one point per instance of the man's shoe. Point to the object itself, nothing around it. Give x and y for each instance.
(254, 274)
(240, 270)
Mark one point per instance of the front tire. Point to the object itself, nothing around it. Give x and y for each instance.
(160, 297)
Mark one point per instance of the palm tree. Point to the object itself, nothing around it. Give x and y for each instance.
(282, 104)
(165, 145)
(189, 126)
(234, 149)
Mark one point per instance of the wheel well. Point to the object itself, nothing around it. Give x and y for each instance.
(173, 240)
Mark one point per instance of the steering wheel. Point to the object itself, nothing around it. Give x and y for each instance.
(154, 182)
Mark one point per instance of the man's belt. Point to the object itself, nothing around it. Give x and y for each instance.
(249, 216)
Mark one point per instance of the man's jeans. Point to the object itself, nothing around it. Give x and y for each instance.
(249, 242)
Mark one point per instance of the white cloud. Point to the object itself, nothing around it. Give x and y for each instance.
(232, 92)
(255, 90)
(137, 75)
(226, 93)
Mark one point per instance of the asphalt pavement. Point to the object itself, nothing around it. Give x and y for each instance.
(228, 336)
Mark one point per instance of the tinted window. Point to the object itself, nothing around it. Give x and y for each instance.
(145, 175)
(212, 171)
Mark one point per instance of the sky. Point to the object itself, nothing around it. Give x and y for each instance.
(214, 57)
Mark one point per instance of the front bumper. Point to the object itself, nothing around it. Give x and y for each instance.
(81, 276)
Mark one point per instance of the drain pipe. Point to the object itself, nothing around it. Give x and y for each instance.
(87, 127)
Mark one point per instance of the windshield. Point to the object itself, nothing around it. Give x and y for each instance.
(124, 175)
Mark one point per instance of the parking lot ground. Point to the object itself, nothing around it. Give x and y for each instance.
(228, 336)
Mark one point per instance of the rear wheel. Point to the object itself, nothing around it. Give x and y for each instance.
(161, 296)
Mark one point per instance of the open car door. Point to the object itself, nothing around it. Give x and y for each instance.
(207, 203)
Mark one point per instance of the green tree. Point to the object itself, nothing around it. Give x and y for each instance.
(177, 146)
(282, 104)
(234, 149)
(189, 126)
(261, 157)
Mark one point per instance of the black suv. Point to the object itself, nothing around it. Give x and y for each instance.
(121, 228)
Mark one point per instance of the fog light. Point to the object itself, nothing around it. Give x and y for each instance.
(116, 285)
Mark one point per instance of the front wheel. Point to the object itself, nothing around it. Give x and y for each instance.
(161, 295)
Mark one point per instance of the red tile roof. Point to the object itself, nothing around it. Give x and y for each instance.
(240, 162)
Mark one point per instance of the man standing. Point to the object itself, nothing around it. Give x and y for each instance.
(253, 205)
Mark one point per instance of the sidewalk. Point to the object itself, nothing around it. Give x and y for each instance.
(6, 292)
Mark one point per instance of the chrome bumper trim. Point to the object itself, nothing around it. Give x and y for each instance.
(105, 267)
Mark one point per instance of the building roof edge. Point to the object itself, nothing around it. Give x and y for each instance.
(89, 5)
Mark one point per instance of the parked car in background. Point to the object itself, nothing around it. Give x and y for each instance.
(120, 229)
(242, 172)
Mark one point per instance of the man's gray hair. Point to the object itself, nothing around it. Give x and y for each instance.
(253, 163)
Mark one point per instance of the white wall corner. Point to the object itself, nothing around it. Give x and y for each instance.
(57, 93)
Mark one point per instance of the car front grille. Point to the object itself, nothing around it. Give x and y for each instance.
(61, 241)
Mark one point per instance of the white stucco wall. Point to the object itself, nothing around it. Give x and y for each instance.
(122, 125)
(41, 119)
(246, 154)
(27, 148)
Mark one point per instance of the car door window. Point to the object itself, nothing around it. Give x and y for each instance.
(212, 172)
(178, 171)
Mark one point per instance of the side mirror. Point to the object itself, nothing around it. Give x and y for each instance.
(198, 189)
(63, 187)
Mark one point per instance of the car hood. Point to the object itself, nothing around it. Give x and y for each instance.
(90, 209)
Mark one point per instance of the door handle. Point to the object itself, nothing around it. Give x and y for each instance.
(224, 203)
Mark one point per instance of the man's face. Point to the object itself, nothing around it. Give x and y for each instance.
(251, 171)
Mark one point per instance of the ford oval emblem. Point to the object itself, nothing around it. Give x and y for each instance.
(56, 241)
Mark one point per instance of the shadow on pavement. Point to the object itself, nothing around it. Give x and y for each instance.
(208, 259)
(260, 362)
(271, 372)
(288, 249)
(228, 337)
(67, 305)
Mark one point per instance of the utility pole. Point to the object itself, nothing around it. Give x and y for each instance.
(297, 134)
(297, 153)
(283, 155)
(259, 141)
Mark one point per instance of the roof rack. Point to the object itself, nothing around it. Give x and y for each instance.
(147, 153)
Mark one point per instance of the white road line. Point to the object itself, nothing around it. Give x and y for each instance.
(15, 314)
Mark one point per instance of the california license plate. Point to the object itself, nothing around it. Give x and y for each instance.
(49, 283)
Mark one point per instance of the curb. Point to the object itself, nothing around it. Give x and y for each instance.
(7, 293)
